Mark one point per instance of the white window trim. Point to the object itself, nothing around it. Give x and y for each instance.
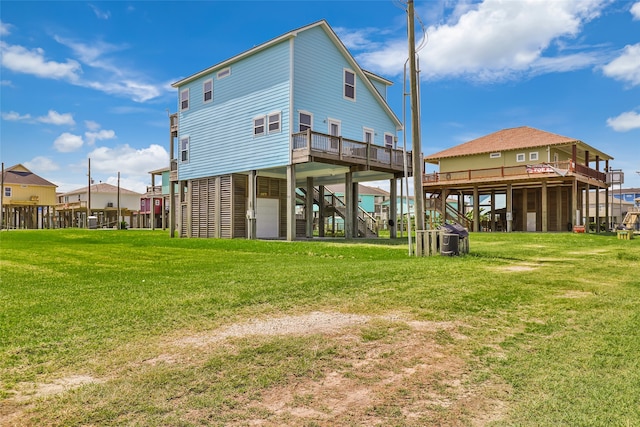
(224, 73)
(185, 149)
(8, 192)
(269, 116)
(521, 157)
(533, 156)
(204, 91)
(306, 113)
(256, 126)
(330, 122)
(495, 155)
(182, 107)
(365, 131)
(386, 134)
(344, 83)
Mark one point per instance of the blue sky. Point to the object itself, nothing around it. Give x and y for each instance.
(92, 79)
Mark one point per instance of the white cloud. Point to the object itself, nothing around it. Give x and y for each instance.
(625, 67)
(128, 160)
(68, 142)
(55, 118)
(5, 29)
(21, 60)
(134, 184)
(91, 125)
(494, 40)
(7, 83)
(100, 13)
(139, 92)
(102, 134)
(41, 164)
(635, 11)
(625, 122)
(12, 116)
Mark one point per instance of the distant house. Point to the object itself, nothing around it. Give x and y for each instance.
(544, 178)
(270, 128)
(28, 200)
(108, 203)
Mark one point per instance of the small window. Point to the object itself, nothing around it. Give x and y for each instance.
(274, 122)
(388, 140)
(495, 155)
(368, 136)
(258, 126)
(207, 90)
(555, 157)
(349, 84)
(533, 156)
(225, 72)
(520, 157)
(184, 99)
(7, 191)
(306, 121)
(184, 149)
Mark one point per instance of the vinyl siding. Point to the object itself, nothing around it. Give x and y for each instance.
(318, 89)
(220, 133)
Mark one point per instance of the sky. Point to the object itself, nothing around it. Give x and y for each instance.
(92, 80)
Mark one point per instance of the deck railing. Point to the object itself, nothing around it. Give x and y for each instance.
(505, 172)
(330, 147)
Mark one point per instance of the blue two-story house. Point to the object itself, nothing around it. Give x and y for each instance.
(265, 131)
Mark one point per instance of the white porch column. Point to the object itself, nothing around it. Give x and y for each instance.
(309, 208)
(348, 201)
(251, 208)
(393, 208)
(291, 203)
(509, 208)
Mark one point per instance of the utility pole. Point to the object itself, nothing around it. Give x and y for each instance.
(415, 126)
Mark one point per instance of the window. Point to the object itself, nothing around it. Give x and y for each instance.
(306, 121)
(184, 149)
(520, 157)
(274, 122)
(207, 90)
(258, 126)
(184, 99)
(225, 72)
(368, 136)
(334, 131)
(495, 155)
(349, 84)
(7, 191)
(388, 140)
(533, 156)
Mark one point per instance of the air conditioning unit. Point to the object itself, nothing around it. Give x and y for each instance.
(110, 204)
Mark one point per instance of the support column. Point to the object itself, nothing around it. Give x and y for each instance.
(355, 203)
(291, 203)
(251, 208)
(573, 215)
(493, 211)
(597, 213)
(587, 208)
(308, 209)
(607, 218)
(509, 208)
(348, 198)
(545, 207)
(560, 226)
(444, 194)
(476, 209)
(393, 208)
(321, 210)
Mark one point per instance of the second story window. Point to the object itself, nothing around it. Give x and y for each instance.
(274, 122)
(520, 157)
(184, 99)
(184, 149)
(7, 191)
(533, 156)
(388, 140)
(258, 126)
(207, 90)
(349, 84)
(368, 135)
(306, 121)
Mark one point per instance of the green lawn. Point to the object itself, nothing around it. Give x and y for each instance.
(97, 327)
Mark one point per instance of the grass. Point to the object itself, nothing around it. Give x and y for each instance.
(528, 329)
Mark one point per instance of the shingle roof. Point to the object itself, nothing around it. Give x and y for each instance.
(507, 139)
(102, 187)
(18, 174)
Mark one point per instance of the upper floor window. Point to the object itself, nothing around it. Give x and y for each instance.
(306, 121)
(273, 120)
(349, 84)
(184, 99)
(207, 90)
(258, 126)
(533, 156)
(7, 191)
(368, 135)
(495, 155)
(184, 149)
(388, 140)
(225, 72)
(520, 157)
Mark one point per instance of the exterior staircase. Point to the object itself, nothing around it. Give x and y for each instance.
(632, 219)
(434, 203)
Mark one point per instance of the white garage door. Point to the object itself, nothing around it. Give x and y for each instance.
(267, 218)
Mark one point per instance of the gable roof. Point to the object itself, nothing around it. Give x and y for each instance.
(103, 188)
(519, 138)
(365, 76)
(20, 175)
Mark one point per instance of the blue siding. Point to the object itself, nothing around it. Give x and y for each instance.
(318, 89)
(220, 133)
(380, 87)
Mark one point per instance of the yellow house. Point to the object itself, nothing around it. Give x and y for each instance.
(543, 178)
(27, 200)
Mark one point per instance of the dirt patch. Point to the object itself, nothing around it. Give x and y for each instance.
(575, 294)
(28, 391)
(520, 267)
